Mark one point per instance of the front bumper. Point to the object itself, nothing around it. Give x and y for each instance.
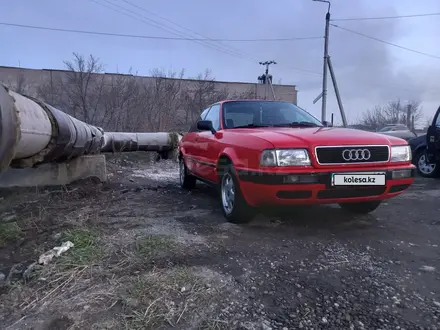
(269, 188)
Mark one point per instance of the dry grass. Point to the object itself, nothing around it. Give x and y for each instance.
(214, 324)
(72, 271)
(100, 282)
(164, 297)
(151, 246)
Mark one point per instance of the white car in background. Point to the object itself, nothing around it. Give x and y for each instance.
(398, 130)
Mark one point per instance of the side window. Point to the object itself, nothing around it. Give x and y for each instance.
(201, 117)
(214, 116)
(437, 122)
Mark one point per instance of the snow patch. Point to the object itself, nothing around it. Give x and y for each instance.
(161, 171)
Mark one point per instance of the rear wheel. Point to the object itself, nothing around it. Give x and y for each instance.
(187, 181)
(360, 207)
(234, 206)
(425, 169)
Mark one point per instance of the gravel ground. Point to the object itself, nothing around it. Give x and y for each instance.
(163, 258)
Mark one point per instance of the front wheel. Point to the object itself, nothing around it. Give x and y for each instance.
(425, 169)
(234, 206)
(360, 207)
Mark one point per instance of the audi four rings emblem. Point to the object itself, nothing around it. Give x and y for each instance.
(356, 154)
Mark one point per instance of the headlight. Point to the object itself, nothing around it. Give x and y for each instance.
(285, 157)
(401, 154)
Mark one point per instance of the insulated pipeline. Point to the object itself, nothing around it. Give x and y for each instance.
(120, 142)
(33, 132)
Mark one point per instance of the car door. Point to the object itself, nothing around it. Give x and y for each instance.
(433, 139)
(188, 144)
(208, 145)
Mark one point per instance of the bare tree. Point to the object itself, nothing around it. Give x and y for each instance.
(163, 90)
(84, 87)
(200, 92)
(395, 112)
(79, 91)
(123, 103)
(126, 102)
(250, 94)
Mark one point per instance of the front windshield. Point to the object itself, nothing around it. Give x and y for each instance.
(239, 114)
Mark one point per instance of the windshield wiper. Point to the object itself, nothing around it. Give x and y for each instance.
(298, 124)
(251, 126)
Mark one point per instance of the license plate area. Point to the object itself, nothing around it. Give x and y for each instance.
(358, 179)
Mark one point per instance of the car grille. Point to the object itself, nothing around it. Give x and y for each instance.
(352, 154)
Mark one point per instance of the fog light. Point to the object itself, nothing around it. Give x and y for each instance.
(291, 179)
(300, 179)
(309, 179)
(401, 174)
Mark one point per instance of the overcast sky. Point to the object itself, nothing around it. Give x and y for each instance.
(369, 72)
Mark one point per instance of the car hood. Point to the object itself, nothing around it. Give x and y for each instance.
(286, 137)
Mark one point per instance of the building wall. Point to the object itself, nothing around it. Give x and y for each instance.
(36, 77)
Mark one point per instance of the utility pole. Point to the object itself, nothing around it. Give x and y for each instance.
(336, 88)
(324, 66)
(267, 78)
(328, 65)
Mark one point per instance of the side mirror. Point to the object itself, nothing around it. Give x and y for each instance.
(327, 123)
(205, 125)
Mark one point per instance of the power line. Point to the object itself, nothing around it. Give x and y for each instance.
(151, 37)
(228, 40)
(303, 70)
(160, 26)
(174, 38)
(386, 42)
(182, 27)
(384, 17)
(216, 43)
(198, 39)
(234, 52)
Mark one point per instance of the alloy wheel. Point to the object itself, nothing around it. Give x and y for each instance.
(228, 193)
(181, 171)
(424, 167)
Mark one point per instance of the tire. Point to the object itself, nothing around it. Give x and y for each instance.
(360, 207)
(425, 170)
(187, 181)
(236, 210)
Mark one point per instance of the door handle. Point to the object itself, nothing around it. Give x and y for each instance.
(196, 139)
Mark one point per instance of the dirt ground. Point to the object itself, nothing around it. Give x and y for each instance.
(148, 255)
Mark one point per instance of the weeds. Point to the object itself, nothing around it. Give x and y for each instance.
(9, 232)
(87, 249)
(152, 246)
